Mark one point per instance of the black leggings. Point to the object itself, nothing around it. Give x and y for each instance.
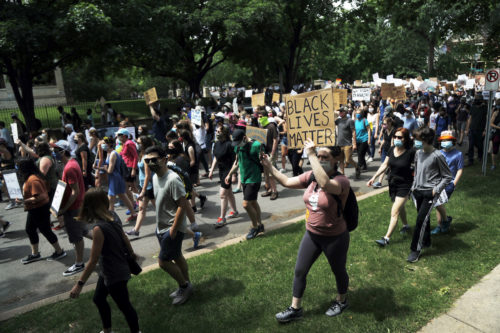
(422, 232)
(39, 218)
(362, 150)
(335, 249)
(119, 293)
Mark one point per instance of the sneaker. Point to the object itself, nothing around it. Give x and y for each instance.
(194, 209)
(194, 226)
(118, 204)
(203, 199)
(175, 293)
(58, 227)
(445, 226)
(132, 218)
(135, 209)
(274, 196)
(260, 228)
(196, 239)
(183, 294)
(31, 258)
(11, 205)
(282, 170)
(436, 230)
(404, 229)
(266, 194)
(221, 221)
(370, 160)
(377, 185)
(233, 215)
(7, 225)
(236, 190)
(358, 173)
(413, 257)
(57, 256)
(382, 242)
(74, 269)
(132, 232)
(252, 233)
(289, 314)
(336, 308)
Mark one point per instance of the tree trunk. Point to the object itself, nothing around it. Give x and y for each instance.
(194, 86)
(430, 59)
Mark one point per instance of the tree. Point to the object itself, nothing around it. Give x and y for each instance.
(38, 36)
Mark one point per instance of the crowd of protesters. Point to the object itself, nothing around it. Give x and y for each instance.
(416, 140)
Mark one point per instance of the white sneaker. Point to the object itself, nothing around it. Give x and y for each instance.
(282, 170)
(370, 159)
(183, 294)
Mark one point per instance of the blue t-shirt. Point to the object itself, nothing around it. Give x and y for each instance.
(441, 125)
(142, 175)
(361, 132)
(454, 159)
(410, 124)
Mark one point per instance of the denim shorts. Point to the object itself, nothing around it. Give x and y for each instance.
(170, 249)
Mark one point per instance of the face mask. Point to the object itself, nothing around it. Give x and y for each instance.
(139, 132)
(75, 141)
(139, 147)
(155, 167)
(371, 109)
(422, 113)
(424, 105)
(104, 146)
(358, 116)
(44, 135)
(418, 144)
(326, 165)
(446, 144)
(398, 142)
(263, 121)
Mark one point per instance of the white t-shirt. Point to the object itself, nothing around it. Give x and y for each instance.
(432, 120)
(200, 134)
(71, 140)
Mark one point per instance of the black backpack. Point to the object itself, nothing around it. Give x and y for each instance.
(188, 185)
(350, 211)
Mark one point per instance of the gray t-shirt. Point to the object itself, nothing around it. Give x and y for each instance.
(431, 171)
(345, 128)
(168, 189)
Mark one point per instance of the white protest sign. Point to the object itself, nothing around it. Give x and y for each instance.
(248, 93)
(398, 82)
(375, 77)
(486, 94)
(293, 93)
(492, 78)
(10, 177)
(462, 79)
(235, 106)
(390, 78)
(15, 133)
(58, 197)
(497, 95)
(131, 130)
(470, 84)
(196, 117)
(361, 94)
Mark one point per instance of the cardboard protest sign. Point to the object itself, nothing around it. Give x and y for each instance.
(276, 97)
(387, 90)
(150, 96)
(15, 133)
(339, 98)
(361, 94)
(248, 93)
(311, 116)
(58, 198)
(399, 93)
(358, 83)
(257, 134)
(449, 86)
(10, 177)
(258, 99)
(196, 117)
(285, 96)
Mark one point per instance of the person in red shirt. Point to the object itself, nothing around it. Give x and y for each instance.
(71, 203)
(131, 158)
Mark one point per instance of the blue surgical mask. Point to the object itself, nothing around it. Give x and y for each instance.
(358, 116)
(418, 144)
(446, 144)
(104, 146)
(398, 142)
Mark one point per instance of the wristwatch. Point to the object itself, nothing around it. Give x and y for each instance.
(80, 283)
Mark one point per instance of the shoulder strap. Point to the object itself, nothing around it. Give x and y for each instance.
(336, 197)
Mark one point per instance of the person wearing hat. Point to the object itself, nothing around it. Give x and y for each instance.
(455, 160)
(131, 158)
(71, 203)
(248, 161)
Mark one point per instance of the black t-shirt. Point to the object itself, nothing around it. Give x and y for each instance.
(462, 113)
(272, 133)
(78, 157)
(224, 152)
(182, 162)
(478, 117)
(388, 138)
(401, 171)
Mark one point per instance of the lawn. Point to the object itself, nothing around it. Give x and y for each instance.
(240, 288)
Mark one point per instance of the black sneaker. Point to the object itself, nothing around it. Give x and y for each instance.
(336, 308)
(289, 314)
(31, 258)
(194, 209)
(203, 199)
(252, 233)
(382, 242)
(260, 228)
(74, 269)
(2, 234)
(413, 257)
(404, 229)
(358, 173)
(6, 226)
(57, 256)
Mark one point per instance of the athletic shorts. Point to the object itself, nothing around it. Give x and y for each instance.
(170, 249)
(398, 190)
(75, 229)
(129, 178)
(150, 194)
(251, 191)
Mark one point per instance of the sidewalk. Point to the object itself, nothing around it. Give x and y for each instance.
(478, 310)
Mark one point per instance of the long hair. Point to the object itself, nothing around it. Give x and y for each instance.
(95, 206)
(82, 137)
(146, 142)
(408, 142)
(27, 167)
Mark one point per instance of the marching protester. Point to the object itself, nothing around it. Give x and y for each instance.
(110, 247)
(399, 162)
(248, 161)
(346, 139)
(326, 231)
(85, 159)
(476, 128)
(385, 142)
(271, 148)
(455, 160)
(432, 175)
(495, 134)
(363, 140)
(130, 157)
(171, 225)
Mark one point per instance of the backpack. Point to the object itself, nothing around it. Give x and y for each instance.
(188, 185)
(350, 211)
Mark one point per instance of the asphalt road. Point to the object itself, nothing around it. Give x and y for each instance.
(24, 284)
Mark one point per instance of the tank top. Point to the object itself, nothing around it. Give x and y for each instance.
(51, 175)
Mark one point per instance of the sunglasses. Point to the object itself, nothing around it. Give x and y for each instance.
(152, 160)
(398, 137)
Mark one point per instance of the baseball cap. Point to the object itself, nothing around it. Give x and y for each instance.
(238, 135)
(123, 131)
(220, 115)
(61, 144)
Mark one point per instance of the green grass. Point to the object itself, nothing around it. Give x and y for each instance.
(240, 288)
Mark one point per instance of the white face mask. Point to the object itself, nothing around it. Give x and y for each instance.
(326, 165)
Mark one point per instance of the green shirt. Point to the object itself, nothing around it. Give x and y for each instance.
(249, 162)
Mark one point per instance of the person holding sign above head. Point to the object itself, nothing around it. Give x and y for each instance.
(71, 202)
(326, 229)
(37, 204)
(346, 139)
(248, 161)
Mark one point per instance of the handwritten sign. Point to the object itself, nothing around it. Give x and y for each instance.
(58, 197)
(361, 94)
(358, 83)
(257, 134)
(387, 90)
(311, 116)
(15, 133)
(399, 93)
(258, 99)
(375, 77)
(390, 78)
(10, 177)
(248, 93)
(339, 98)
(196, 117)
(150, 96)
